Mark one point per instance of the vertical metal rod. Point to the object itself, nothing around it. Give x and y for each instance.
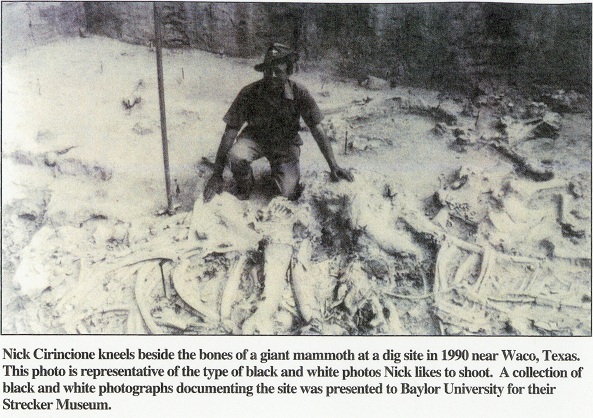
(165, 287)
(159, 67)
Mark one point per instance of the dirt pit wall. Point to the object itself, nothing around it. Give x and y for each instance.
(462, 46)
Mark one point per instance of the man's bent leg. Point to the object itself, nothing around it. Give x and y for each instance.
(242, 154)
(286, 171)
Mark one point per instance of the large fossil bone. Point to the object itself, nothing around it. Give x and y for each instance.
(229, 293)
(276, 264)
(307, 278)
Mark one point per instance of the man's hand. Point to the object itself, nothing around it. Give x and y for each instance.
(338, 174)
(213, 187)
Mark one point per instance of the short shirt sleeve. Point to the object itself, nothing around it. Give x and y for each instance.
(308, 107)
(236, 115)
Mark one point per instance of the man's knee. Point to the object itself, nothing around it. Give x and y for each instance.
(288, 184)
(287, 192)
(240, 158)
(292, 192)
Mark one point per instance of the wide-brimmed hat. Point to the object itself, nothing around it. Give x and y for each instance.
(275, 54)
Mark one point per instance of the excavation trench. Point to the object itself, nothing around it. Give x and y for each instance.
(466, 216)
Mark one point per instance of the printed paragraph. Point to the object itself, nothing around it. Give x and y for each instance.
(50, 379)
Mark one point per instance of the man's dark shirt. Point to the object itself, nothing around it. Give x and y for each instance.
(273, 120)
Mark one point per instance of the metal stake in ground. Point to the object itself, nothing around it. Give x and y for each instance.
(159, 67)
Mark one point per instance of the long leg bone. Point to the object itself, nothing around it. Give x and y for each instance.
(231, 287)
(276, 263)
(304, 290)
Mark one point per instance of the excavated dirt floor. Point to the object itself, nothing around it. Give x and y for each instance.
(466, 216)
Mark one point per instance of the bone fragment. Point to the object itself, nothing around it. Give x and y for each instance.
(394, 325)
(147, 279)
(168, 318)
(181, 277)
(135, 323)
(487, 262)
(466, 268)
(219, 224)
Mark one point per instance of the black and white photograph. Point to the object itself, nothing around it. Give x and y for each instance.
(296, 169)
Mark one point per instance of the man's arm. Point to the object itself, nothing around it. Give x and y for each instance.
(336, 172)
(214, 185)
